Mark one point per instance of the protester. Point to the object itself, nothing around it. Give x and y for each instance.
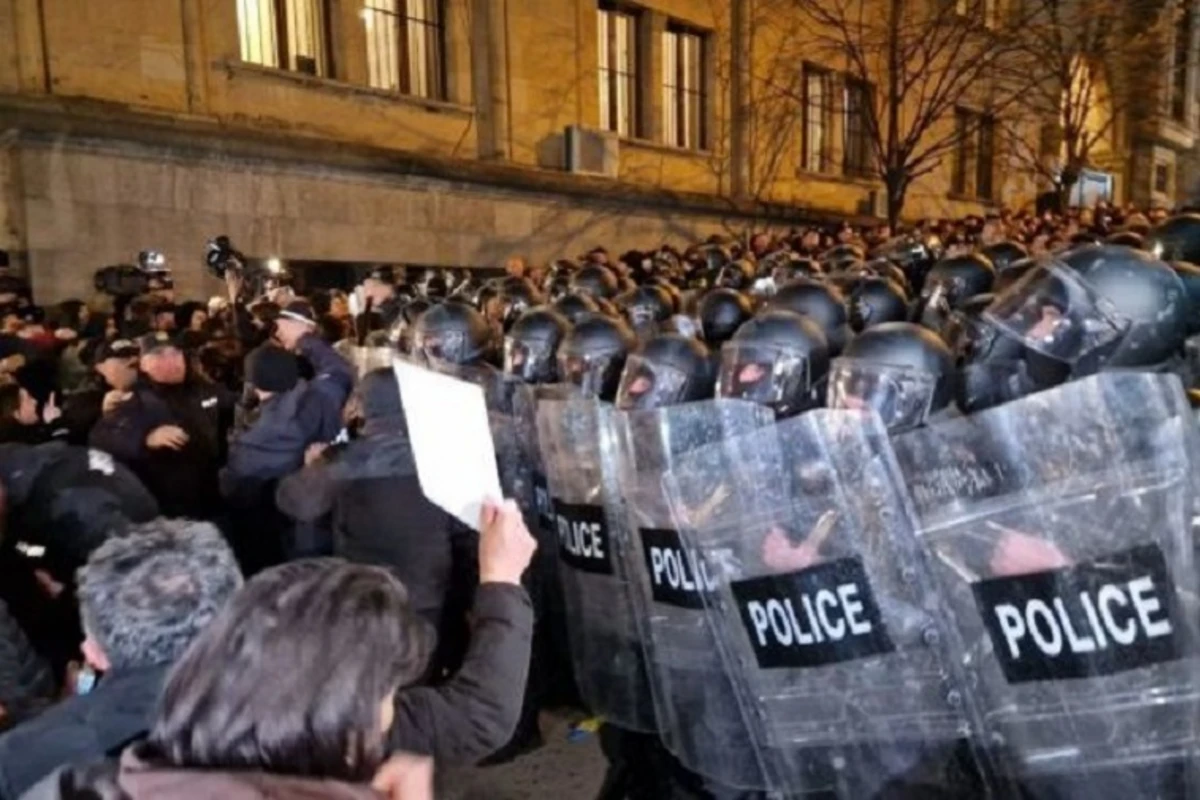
(143, 598)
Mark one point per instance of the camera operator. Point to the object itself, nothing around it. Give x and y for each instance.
(169, 430)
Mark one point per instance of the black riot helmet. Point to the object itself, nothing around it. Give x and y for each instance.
(531, 346)
(452, 334)
(667, 370)
(1097, 306)
(403, 329)
(1127, 239)
(1004, 254)
(593, 354)
(1190, 275)
(645, 308)
(873, 300)
(1177, 239)
(595, 280)
(722, 312)
(576, 306)
(1083, 238)
(736, 275)
(883, 268)
(822, 303)
(901, 370)
(517, 295)
(948, 284)
(842, 256)
(778, 359)
(914, 255)
(1012, 273)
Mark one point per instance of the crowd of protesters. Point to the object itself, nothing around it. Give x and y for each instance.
(218, 573)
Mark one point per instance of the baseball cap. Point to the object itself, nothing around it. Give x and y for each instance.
(298, 311)
(116, 348)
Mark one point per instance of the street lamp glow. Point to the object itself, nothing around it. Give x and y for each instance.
(274, 265)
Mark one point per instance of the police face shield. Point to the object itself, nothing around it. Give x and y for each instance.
(646, 385)
(1053, 311)
(442, 350)
(531, 361)
(593, 374)
(643, 320)
(933, 310)
(769, 376)
(902, 396)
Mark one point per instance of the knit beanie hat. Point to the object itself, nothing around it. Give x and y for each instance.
(272, 369)
(380, 394)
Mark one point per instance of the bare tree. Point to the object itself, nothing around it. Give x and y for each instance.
(923, 59)
(1088, 61)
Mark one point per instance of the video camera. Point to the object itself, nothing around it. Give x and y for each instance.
(222, 258)
(127, 280)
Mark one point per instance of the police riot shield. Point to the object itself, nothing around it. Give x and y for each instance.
(578, 442)
(365, 359)
(1058, 527)
(525, 405)
(699, 719)
(822, 611)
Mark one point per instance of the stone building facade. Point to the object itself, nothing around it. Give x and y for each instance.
(452, 132)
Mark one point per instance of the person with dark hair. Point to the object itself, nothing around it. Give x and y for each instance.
(305, 683)
(29, 412)
(114, 374)
(143, 598)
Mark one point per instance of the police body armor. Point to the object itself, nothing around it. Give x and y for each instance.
(825, 618)
(697, 709)
(1058, 527)
(578, 440)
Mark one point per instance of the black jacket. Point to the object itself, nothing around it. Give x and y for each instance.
(183, 481)
(379, 514)
(82, 729)
(474, 713)
(25, 679)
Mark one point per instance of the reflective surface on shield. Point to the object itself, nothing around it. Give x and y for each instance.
(821, 609)
(1057, 526)
(578, 442)
(365, 359)
(699, 718)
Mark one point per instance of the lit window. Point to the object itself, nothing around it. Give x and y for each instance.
(404, 46)
(685, 102)
(817, 112)
(285, 34)
(618, 71)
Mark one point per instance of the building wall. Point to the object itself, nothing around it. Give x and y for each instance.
(518, 72)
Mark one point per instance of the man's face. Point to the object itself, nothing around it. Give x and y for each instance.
(164, 321)
(119, 373)
(164, 365)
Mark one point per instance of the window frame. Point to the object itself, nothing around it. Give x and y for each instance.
(677, 33)
(808, 72)
(401, 21)
(610, 77)
(280, 40)
(973, 164)
(859, 134)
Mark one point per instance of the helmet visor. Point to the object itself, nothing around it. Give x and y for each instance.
(769, 376)
(530, 361)
(589, 372)
(1051, 310)
(646, 385)
(902, 396)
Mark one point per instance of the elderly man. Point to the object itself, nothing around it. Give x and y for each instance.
(143, 598)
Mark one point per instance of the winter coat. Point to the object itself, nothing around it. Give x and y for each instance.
(25, 679)
(184, 481)
(81, 729)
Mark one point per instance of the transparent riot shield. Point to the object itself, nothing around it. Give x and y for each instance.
(822, 611)
(578, 442)
(365, 359)
(1059, 530)
(699, 719)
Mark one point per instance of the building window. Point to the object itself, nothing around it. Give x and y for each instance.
(685, 103)
(856, 151)
(985, 12)
(973, 166)
(618, 70)
(817, 119)
(286, 34)
(1162, 179)
(404, 46)
(1179, 66)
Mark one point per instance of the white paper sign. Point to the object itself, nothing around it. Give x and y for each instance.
(451, 440)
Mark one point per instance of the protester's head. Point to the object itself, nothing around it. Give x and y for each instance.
(17, 404)
(145, 595)
(296, 675)
(380, 396)
(116, 361)
(161, 360)
(271, 370)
